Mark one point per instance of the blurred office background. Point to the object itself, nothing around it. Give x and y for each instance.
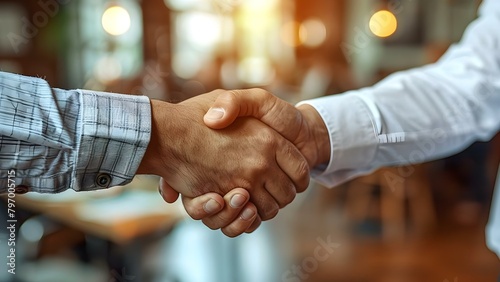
(419, 223)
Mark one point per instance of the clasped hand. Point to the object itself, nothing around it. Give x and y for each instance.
(236, 157)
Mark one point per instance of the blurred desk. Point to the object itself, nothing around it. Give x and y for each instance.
(119, 214)
(119, 224)
(401, 189)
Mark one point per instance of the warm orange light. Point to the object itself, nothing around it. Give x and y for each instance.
(383, 23)
(312, 33)
(290, 34)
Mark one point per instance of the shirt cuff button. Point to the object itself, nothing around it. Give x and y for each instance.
(21, 189)
(103, 180)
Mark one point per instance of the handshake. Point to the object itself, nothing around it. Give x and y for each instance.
(236, 157)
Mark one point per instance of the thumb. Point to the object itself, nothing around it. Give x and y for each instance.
(258, 103)
(225, 109)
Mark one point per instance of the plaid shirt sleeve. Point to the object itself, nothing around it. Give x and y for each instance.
(54, 139)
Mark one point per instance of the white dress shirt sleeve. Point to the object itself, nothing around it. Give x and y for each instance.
(58, 139)
(421, 114)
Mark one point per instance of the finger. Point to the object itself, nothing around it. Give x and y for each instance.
(276, 113)
(293, 163)
(167, 192)
(280, 187)
(203, 206)
(267, 206)
(255, 225)
(242, 222)
(234, 202)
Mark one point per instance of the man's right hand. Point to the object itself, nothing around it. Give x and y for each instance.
(303, 126)
(194, 159)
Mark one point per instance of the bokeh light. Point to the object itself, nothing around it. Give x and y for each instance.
(116, 20)
(186, 64)
(312, 33)
(203, 30)
(107, 69)
(32, 230)
(383, 23)
(256, 71)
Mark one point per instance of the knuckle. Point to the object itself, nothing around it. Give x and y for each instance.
(263, 165)
(229, 95)
(210, 224)
(267, 136)
(234, 230)
(287, 193)
(261, 92)
(223, 220)
(259, 166)
(255, 225)
(216, 223)
(230, 232)
(192, 211)
(271, 213)
(195, 215)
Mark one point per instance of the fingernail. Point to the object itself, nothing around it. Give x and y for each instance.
(237, 201)
(211, 206)
(160, 189)
(215, 113)
(247, 214)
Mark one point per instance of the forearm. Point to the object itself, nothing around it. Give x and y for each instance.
(58, 139)
(418, 115)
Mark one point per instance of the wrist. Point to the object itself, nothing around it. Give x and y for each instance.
(320, 139)
(154, 158)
